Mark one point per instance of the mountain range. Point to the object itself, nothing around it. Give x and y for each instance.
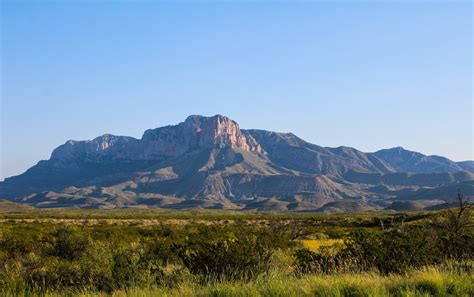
(209, 162)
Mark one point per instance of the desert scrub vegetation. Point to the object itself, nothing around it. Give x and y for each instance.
(427, 254)
(428, 281)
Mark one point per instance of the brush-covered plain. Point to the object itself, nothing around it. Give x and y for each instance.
(147, 252)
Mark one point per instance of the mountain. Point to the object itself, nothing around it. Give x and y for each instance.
(210, 162)
(467, 165)
(407, 161)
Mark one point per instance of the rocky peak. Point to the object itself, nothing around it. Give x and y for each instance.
(195, 133)
(98, 146)
(198, 132)
(218, 131)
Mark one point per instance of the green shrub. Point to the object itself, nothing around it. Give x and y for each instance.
(125, 268)
(96, 267)
(56, 274)
(307, 261)
(226, 258)
(159, 251)
(391, 251)
(394, 250)
(15, 245)
(130, 268)
(66, 243)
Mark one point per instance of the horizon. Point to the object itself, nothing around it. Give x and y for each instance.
(210, 116)
(365, 75)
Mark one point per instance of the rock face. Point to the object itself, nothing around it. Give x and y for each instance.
(210, 162)
(116, 147)
(197, 132)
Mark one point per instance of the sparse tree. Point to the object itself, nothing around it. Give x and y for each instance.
(457, 218)
(456, 229)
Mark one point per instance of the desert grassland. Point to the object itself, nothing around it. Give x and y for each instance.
(428, 281)
(160, 214)
(154, 252)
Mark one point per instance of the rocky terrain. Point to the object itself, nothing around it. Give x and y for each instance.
(210, 162)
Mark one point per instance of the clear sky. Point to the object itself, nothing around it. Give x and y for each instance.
(370, 75)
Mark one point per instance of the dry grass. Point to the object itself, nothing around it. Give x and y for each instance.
(316, 244)
(429, 281)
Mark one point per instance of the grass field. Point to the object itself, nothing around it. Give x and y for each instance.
(152, 252)
(426, 282)
(429, 281)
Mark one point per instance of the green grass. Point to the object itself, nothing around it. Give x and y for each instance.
(429, 281)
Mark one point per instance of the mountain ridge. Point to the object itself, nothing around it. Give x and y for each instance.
(211, 162)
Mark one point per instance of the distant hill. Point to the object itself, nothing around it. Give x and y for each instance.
(209, 162)
(414, 205)
(349, 206)
(444, 193)
(9, 206)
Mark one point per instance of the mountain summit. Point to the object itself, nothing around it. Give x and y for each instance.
(210, 162)
(198, 132)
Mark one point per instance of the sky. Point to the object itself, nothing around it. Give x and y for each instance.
(369, 75)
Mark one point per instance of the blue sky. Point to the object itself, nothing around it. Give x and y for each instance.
(370, 75)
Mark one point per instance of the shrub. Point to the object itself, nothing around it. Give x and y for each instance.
(124, 268)
(455, 230)
(226, 258)
(14, 245)
(96, 267)
(130, 268)
(394, 250)
(326, 260)
(66, 243)
(307, 261)
(56, 274)
(159, 251)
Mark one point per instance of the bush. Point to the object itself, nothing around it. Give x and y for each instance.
(391, 251)
(159, 251)
(132, 267)
(56, 274)
(227, 258)
(66, 243)
(14, 245)
(125, 270)
(96, 267)
(307, 261)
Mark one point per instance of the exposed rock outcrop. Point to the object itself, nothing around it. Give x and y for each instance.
(197, 132)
